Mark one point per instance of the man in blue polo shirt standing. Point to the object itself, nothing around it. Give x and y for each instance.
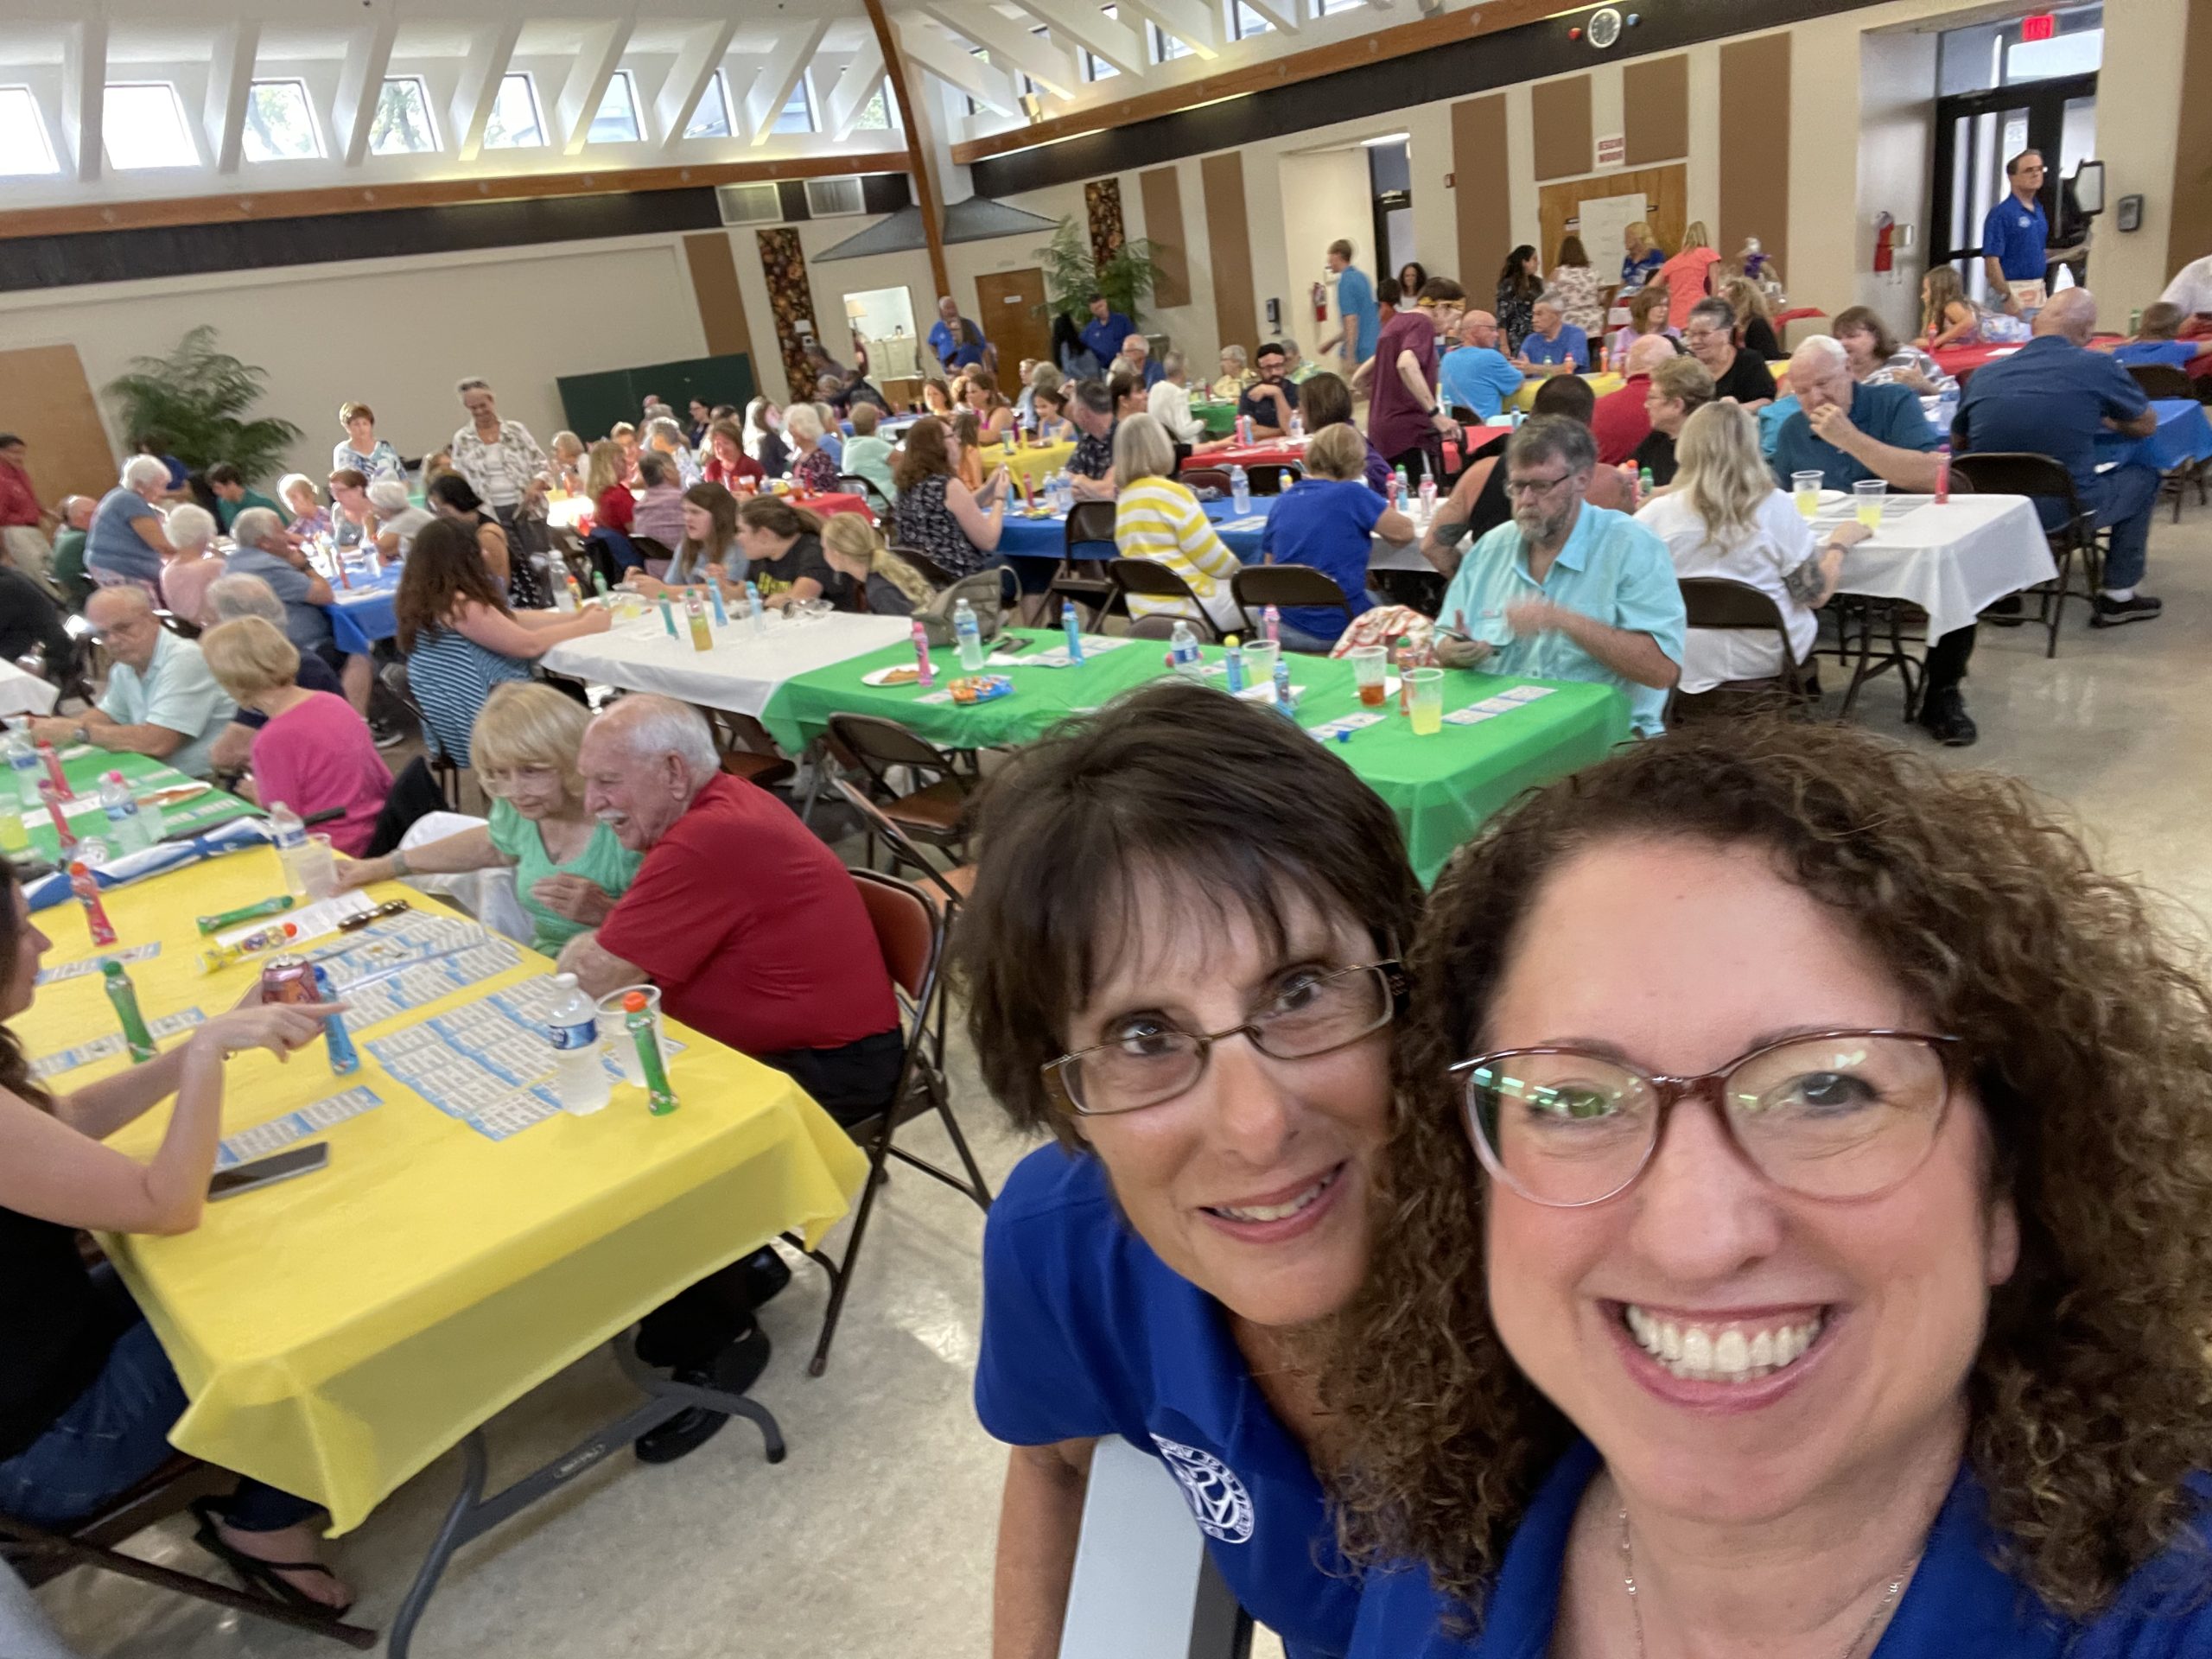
(1106, 330)
(955, 340)
(2055, 397)
(1361, 318)
(2016, 231)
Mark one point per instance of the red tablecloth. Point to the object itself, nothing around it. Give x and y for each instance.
(1282, 451)
(831, 501)
(1962, 360)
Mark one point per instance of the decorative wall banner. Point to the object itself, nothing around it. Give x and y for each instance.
(783, 262)
(1102, 201)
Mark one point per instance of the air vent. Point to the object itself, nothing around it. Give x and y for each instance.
(749, 204)
(833, 198)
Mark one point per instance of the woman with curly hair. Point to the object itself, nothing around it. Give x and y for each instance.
(1796, 1236)
(1205, 1027)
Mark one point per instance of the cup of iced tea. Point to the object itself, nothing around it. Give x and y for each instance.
(1370, 667)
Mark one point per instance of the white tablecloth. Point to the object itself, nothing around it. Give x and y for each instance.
(24, 694)
(1951, 560)
(741, 673)
(564, 513)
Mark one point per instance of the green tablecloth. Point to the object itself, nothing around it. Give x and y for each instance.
(1220, 418)
(84, 768)
(1441, 787)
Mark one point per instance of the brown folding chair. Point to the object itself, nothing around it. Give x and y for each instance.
(40, 1553)
(747, 749)
(1150, 579)
(2038, 478)
(1717, 603)
(1258, 585)
(1091, 524)
(912, 933)
(1206, 477)
(2164, 380)
(1272, 477)
(946, 888)
(867, 489)
(930, 571)
(935, 814)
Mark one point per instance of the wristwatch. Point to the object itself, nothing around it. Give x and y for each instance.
(82, 734)
(399, 864)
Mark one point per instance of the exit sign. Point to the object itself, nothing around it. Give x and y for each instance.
(2039, 26)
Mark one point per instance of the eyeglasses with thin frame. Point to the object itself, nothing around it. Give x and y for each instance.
(1535, 485)
(1834, 1115)
(1313, 1012)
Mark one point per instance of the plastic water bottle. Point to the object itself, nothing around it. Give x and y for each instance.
(1240, 491)
(714, 599)
(924, 670)
(755, 609)
(22, 768)
(1182, 651)
(1428, 497)
(563, 599)
(1297, 425)
(291, 838)
(1947, 411)
(573, 1028)
(1073, 629)
(1398, 490)
(126, 829)
(1236, 664)
(968, 633)
(1271, 625)
(1284, 701)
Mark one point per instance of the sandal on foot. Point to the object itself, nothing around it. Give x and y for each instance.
(263, 1577)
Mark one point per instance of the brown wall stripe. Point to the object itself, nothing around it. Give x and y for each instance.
(783, 262)
(1484, 212)
(1560, 110)
(1755, 146)
(1229, 241)
(1656, 108)
(2188, 235)
(1161, 193)
(714, 285)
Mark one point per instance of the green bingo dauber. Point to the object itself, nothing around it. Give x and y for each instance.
(639, 1021)
(246, 913)
(125, 996)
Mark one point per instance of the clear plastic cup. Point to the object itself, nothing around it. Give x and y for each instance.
(318, 867)
(1867, 495)
(1370, 667)
(1260, 661)
(1806, 488)
(614, 1030)
(1426, 702)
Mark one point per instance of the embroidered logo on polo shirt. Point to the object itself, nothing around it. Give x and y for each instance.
(1217, 1498)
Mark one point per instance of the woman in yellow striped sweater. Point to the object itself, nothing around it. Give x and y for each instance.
(1157, 518)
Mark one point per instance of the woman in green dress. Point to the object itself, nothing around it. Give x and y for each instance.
(569, 868)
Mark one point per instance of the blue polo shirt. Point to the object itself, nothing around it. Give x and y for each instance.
(1477, 378)
(2050, 397)
(1612, 569)
(1889, 414)
(946, 346)
(1958, 1606)
(1572, 346)
(2016, 237)
(2174, 354)
(1356, 305)
(1087, 1333)
(1327, 525)
(1104, 336)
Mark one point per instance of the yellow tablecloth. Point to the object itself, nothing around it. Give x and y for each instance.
(1525, 399)
(1025, 462)
(335, 1333)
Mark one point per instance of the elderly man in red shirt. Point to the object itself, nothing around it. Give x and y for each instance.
(23, 522)
(757, 936)
(1620, 420)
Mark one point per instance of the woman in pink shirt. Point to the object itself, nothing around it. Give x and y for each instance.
(185, 578)
(315, 754)
(1687, 276)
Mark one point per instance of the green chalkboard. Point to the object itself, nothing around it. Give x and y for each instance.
(592, 403)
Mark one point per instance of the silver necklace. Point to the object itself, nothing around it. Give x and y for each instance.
(1635, 1612)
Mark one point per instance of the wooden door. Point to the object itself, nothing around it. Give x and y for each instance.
(1010, 310)
(1665, 189)
(45, 401)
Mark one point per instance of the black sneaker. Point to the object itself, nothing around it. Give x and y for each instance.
(2006, 613)
(2112, 612)
(1943, 717)
(387, 736)
(766, 1273)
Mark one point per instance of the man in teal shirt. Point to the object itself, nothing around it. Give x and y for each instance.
(233, 498)
(1568, 591)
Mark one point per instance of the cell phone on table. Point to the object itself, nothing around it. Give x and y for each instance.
(1011, 643)
(267, 1171)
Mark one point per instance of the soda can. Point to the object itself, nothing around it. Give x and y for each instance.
(288, 979)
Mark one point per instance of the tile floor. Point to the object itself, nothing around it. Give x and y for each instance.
(875, 1537)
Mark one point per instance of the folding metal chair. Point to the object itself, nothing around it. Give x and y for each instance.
(867, 489)
(2039, 477)
(1258, 585)
(930, 571)
(1206, 477)
(747, 749)
(1717, 603)
(946, 888)
(912, 934)
(2164, 380)
(1150, 579)
(934, 814)
(1272, 477)
(1091, 524)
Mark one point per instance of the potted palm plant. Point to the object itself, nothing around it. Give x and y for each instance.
(196, 400)
(1072, 273)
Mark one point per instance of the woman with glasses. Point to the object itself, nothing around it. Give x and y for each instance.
(569, 869)
(1204, 1023)
(1797, 1237)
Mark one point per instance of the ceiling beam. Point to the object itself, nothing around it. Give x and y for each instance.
(952, 60)
(83, 95)
(702, 52)
(918, 156)
(230, 83)
(1092, 29)
(778, 75)
(1283, 14)
(843, 106)
(489, 54)
(589, 78)
(1197, 24)
(360, 85)
(1050, 64)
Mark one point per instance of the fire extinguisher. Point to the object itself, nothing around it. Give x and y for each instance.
(1320, 302)
(1885, 229)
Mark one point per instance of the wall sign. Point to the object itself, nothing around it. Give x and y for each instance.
(1613, 149)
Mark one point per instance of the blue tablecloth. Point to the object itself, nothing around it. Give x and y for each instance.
(892, 427)
(1023, 538)
(363, 614)
(2183, 435)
